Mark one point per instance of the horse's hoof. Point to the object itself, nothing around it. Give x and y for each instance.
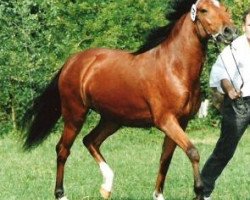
(199, 197)
(105, 194)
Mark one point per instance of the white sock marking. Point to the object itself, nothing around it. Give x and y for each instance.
(63, 198)
(158, 196)
(108, 176)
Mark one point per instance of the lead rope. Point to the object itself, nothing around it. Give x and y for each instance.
(237, 67)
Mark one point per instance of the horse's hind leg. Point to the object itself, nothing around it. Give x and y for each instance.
(93, 142)
(73, 121)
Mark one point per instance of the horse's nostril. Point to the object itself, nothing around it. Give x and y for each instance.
(226, 30)
(230, 33)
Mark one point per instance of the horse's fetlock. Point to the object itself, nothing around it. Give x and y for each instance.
(198, 188)
(59, 193)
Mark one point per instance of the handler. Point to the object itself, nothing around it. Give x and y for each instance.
(231, 76)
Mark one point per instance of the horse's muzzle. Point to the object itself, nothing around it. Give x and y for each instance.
(227, 35)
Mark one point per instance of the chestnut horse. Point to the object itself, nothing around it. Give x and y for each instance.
(156, 86)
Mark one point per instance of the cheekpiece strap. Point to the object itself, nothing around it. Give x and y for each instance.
(193, 11)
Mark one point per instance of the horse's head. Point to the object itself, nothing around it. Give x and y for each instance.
(213, 19)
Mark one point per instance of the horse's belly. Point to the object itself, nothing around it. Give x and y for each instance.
(127, 109)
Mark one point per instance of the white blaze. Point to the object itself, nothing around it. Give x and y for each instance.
(216, 3)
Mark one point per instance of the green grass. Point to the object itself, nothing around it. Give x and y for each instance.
(133, 154)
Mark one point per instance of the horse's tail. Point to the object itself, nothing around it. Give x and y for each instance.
(42, 115)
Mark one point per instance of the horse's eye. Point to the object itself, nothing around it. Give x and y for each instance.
(203, 10)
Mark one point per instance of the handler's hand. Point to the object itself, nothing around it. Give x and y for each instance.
(229, 89)
(234, 94)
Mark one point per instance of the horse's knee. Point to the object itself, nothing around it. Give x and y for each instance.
(193, 154)
(86, 141)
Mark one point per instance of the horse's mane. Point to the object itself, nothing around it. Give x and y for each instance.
(175, 10)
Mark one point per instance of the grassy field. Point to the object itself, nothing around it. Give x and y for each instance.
(134, 156)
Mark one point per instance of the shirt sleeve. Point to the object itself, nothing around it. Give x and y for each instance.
(223, 68)
(218, 73)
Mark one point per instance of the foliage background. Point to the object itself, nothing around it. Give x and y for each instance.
(37, 36)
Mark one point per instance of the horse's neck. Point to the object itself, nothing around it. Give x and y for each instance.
(185, 34)
(185, 45)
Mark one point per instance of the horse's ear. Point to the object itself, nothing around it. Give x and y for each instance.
(193, 12)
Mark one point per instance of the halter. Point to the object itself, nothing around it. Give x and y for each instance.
(194, 9)
(193, 13)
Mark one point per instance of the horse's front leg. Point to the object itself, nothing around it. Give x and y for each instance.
(166, 157)
(171, 127)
